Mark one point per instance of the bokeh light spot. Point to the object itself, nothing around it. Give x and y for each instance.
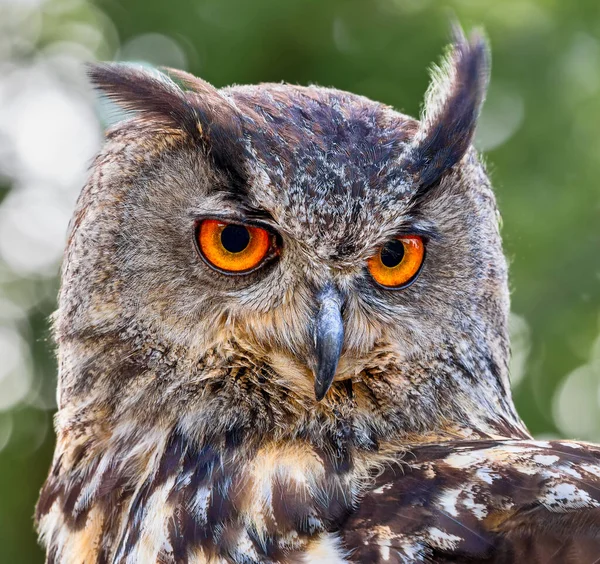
(15, 369)
(155, 49)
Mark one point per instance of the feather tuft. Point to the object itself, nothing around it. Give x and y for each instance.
(196, 108)
(452, 105)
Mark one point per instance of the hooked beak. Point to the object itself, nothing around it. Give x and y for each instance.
(329, 337)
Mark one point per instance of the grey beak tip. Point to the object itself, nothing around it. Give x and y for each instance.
(329, 337)
(322, 385)
(320, 392)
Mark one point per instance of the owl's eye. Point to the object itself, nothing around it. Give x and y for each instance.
(234, 248)
(398, 261)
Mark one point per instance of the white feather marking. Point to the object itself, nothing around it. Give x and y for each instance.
(327, 549)
(571, 445)
(154, 534)
(564, 497)
(479, 510)
(545, 459)
(486, 475)
(449, 500)
(199, 505)
(383, 488)
(591, 469)
(443, 540)
(384, 549)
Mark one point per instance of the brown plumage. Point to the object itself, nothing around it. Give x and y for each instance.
(300, 409)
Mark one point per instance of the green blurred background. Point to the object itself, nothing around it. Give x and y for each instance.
(540, 131)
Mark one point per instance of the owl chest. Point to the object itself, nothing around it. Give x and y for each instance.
(279, 501)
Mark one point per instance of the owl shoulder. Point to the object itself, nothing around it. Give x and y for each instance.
(483, 501)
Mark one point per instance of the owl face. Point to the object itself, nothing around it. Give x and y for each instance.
(315, 234)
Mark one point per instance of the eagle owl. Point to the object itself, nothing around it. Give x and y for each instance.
(282, 338)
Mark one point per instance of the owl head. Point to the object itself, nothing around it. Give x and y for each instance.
(287, 260)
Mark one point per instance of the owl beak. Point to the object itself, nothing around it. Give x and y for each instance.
(329, 337)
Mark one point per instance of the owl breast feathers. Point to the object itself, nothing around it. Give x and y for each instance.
(282, 338)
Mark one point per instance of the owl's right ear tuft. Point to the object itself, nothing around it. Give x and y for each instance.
(197, 108)
(152, 95)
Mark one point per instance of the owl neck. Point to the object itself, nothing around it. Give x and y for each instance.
(231, 397)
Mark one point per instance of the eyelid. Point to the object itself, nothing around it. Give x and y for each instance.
(237, 220)
(416, 226)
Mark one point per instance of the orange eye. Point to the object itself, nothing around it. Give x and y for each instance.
(398, 261)
(232, 247)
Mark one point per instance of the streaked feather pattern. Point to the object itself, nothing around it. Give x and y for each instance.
(483, 501)
(188, 427)
(480, 501)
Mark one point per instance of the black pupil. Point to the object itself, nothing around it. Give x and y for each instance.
(235, 238)
(392, 253)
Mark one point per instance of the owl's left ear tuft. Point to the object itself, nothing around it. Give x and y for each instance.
(451, 109)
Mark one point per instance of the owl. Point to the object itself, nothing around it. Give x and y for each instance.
(282, 338)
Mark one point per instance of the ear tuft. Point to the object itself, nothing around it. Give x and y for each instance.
(218, 118)
(452, 106)
(149, 93)
(197, 108)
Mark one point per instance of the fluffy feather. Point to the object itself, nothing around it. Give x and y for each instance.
(188, 428)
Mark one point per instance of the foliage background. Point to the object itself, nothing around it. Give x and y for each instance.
(540, 131)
